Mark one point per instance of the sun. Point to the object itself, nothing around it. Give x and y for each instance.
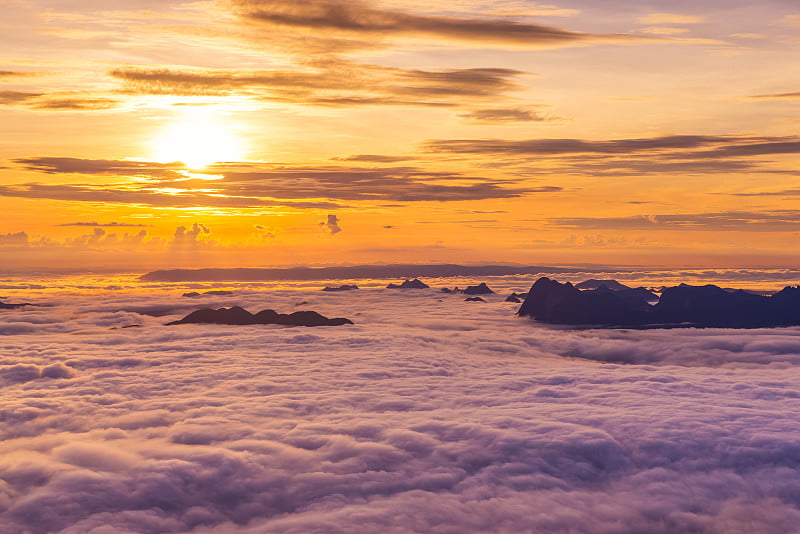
(198, 139)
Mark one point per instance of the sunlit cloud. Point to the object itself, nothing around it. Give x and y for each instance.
(507, 115)
(793, 19)
(254, 185)
(336, 83)
(671, 18)
(665, 30)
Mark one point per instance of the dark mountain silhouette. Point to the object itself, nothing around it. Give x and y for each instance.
(10, 306)
(593, 283)
(513, 297)
(348, 272)
(549, 301)
(234, 315)
(409, 284)
(701, 306)
(343, 287)
(311, 318)
(639, 297)
(480, 289)
(239, 316)
(710, 305)
(474, 299)
(454, 290)
(217, 292)
(753, 291)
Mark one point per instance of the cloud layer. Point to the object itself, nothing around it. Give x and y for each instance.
(741, 221)
(687, 154)
(253, 185)
(333, 82)
(362, 20)
(430, 414)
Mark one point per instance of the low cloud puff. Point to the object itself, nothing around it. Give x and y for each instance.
(332, 224)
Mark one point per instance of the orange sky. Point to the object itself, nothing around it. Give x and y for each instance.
(139, 134)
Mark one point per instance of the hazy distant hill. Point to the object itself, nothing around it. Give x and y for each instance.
(356, 271)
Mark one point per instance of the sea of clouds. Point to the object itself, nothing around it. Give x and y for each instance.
(430, 414)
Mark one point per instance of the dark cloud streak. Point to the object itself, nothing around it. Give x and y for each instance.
(251, 185)
(777, 95)
(76, 104)
(330, 83)
(354, 17)
(106, 225)
(740, 221)
(15, 74)
(506, 115)
(63, 165)
(554, 147)
(147, 197)
(688, 154)
(17, 97)
(65, 101)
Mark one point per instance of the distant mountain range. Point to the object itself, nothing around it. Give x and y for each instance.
(347, 272)
(552, 302)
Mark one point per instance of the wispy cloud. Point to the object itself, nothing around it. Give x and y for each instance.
(671, 18)
(253, 185)
(106, 225)
(352, 17)
(572, 146)
(506, 115)
(674, 153)
(18, 74)
(331, 83)
(792, 19)
(17, 97)
(778, 95)
(57, 101)
(149, 196)
(739, 221)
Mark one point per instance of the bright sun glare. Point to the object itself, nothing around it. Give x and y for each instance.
(197, 139)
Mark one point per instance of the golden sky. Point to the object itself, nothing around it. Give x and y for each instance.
(152, 133)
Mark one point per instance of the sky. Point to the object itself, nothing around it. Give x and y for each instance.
(138, 134)
(429, 414)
